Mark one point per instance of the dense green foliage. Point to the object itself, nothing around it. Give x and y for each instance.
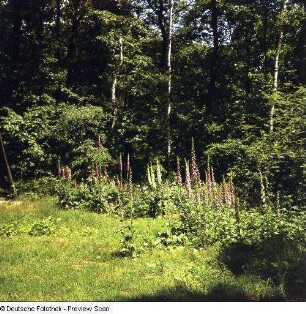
(186, 112)
(77, 72)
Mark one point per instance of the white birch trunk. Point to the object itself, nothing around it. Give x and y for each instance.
(169, 73)
(276, 62)
(115, 82)
(262, 191)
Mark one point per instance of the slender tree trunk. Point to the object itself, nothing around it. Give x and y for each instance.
(58, 45)
(169, 73)
(277, 56)
(13, 188)
(165, 39)
(213, 63)
(115, 82)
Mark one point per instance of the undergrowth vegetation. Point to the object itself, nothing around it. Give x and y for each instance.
(50, 254)
(193, 212)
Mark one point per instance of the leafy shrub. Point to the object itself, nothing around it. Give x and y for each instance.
(236, 156)
(99, 197)
(148, 202)
(44, 227)
(173, 237)
(266, 244)
(41, 187)
(39, 138)
(8, 230)
(205, 226)
(128, 246)
(71, 195)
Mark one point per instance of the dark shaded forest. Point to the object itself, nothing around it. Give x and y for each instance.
(146, 77)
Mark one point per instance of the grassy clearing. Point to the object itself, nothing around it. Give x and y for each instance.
(78, 261)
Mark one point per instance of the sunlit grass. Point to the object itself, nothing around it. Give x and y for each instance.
(78, 261)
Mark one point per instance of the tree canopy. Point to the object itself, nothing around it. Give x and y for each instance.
(73, 71)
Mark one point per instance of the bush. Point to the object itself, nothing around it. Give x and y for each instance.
(149, 202)
(226, 226)
(45, 186)
(44, 227)
(8, 230)
(100, 198)
(41, 137)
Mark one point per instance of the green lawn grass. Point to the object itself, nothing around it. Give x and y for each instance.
(78, 262)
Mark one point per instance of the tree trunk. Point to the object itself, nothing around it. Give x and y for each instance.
(277, 56)
(214, 56)
(165, 24)
(115, 81)
(169, 74)
(13, 188)
(158, 8)
(58, 46)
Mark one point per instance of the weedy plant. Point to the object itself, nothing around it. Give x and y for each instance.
(128, 245)
(8, 230)
(43, 228)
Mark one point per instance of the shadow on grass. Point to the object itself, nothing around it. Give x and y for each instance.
(221, 293)
(276, 259)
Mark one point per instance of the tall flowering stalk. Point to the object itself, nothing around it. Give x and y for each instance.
(68, 173)
(99, 145)
(149, 176)
(98, 165)
(97, 172)
(205, 193)
(231, 189)
(226, 193)
(105, 173)
(195, 173)
(158, 172)
(153, 179)
(64, 172)
(237, 211)
(130, 180)
(128, 165)
(59, 169)
(187, 179)
(208, 177)
(129, 176)
(61, 172)
(262, 191)
(178, 172)
(209, 184)
(214, 187)
(121, 171)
